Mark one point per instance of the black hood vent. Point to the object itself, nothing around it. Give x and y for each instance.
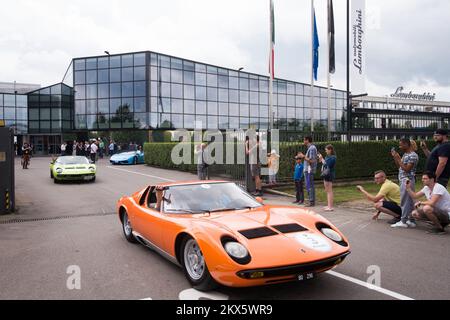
(258, 233)
(290, 228)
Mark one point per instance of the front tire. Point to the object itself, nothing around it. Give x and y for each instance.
(127, 229)
(194, 266)
(51, 174)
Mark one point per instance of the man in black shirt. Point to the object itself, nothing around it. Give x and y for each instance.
(438, 159)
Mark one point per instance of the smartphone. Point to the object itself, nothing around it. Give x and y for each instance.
(393, 150)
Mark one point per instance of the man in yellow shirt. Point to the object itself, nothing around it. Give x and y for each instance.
(388, 198)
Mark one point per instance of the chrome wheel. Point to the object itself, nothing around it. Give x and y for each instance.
(193, 259)
(126, 225)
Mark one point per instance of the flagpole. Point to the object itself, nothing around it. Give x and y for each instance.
(329, 74)
(349, 106)
(312, 66)
(271, 62)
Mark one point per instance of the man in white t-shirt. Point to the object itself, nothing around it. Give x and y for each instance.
(437, 207)
(94, 149)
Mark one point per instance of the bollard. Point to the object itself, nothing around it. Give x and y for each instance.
(7, 203)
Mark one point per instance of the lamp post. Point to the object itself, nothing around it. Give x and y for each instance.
(107, 52)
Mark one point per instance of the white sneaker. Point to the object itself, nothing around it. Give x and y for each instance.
(399, 225)
(411, 224)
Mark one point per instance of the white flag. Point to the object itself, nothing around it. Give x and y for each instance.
(358, 47)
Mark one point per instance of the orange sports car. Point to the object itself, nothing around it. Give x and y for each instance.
(219, 234)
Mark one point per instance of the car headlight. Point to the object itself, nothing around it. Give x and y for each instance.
(236, 250)
(59, 170)
(92, 169)
(331, 234)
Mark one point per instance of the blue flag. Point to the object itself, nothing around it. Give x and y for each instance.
(316, 46)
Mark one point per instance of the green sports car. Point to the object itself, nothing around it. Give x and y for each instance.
(71, 169)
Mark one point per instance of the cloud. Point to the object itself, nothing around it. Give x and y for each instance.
(408, 45)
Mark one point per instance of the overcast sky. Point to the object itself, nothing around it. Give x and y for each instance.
(408, 40)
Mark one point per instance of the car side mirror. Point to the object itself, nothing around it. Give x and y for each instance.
(260, 200)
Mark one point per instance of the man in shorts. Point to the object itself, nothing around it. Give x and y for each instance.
(437, 207)
(388, 198)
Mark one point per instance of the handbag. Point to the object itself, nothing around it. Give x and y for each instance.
(326, 172)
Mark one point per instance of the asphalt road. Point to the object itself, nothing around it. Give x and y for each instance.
(63, 225)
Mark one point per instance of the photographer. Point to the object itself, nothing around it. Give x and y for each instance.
(407, 166)
(436, 208)
(329, 175)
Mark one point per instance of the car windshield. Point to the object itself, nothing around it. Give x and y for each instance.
(72, 160)
(127, 153)
(208, 197)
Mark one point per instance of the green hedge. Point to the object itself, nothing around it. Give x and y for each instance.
(354, 160)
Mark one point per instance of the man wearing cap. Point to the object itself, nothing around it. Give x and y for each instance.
(438, 159)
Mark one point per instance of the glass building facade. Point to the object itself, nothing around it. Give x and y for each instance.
(148, 90)
(14, 111)
(50, 110)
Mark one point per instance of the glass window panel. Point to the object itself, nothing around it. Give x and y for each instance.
(243, 110)
(154, 73)
(290, 113)
(290, 88)
(223, 122)
(80, 122)
(165, 89)
(91, 106)
(234, 83)
(165, 74)
(103, 90)
(139, 59)
(223, 95)
(200, 79)
(243, 84)
(299, 101)
(91, 63)
(234, 96)
(114, 62)
(164, 61)
(212, 108)
(213, 122)
(115, 105)
(127, 89)
(177, 76)
(298, 89)
(80, 108)
(139, 89)
(189, 92)
(21, 101)
(91, 76)
(223, 109)
(44, 114)
(254, 85)
(103, 76)
(103, 105)
(212, 94)
(223, 81)
(127, 60)
(177, 63)
(254, 97)
(114, 75)
(189, 77)
(244, 97)
(233, 123)
(212, 80)
(164, 105)
(141, 120)
(32, 97)
(34, 124)
(200, 107)
(80, 64)
(189, 106)
(189, 66)
(103, 121)
(282, 100)
(212, 69)
(9, 100)
(80, 77)
(166, 121)
(127, 74)
(1, 113)
(154, 88)
(290, 101)
(244, 123)
(115, 90)
(264, 85)
(200, 67)
(264, 111)
(177, 91)
(200, 93)
(222, 71)
(91, 91)
(177, 106)
(234, 109)
(189, 121)
(45, 125)
(22, 113)
(103, 63)
(139, 73)
(10, 113)
(263, 98)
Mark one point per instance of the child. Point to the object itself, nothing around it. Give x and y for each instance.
(274, 164)
(298, 179)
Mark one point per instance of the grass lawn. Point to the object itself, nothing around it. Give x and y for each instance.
(342, 194)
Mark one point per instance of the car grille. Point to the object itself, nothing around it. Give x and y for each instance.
(258, 233)
(290, 228)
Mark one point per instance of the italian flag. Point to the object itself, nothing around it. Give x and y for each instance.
(272, 41)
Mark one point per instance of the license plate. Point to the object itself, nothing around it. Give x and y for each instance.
(306, 276)
(87, 178)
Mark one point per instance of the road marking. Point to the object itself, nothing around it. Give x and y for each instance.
(141, 174)
(362, 227)
(340, 225)
(369, 286)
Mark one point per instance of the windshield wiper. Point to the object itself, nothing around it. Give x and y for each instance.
(188, 211)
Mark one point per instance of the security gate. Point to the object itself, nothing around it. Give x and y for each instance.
(7, 199)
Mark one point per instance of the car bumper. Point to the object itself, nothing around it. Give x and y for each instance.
(119, 162)
(75, 177)
(274, 275)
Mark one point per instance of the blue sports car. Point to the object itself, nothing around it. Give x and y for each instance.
(128, 157)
